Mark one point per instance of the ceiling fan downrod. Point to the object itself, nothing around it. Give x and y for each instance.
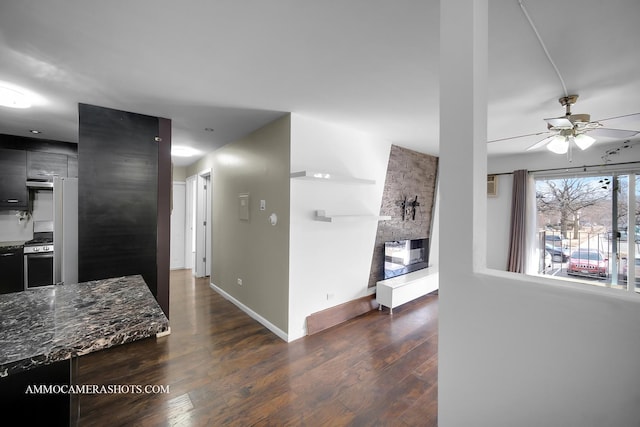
(567, 102)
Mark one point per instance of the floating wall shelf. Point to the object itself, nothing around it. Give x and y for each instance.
(322, 216)
(329, 177)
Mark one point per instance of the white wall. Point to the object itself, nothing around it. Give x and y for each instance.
(531, 353)
(515, 350)
(330, 262)
(177, 258)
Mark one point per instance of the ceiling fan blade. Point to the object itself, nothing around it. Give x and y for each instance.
(612, 133)
(560, 123)
(624, 116)
(519, 136)
(541, 143)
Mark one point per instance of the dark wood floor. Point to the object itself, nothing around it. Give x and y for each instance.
(225, 369)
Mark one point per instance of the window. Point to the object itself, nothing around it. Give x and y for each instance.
(588, 230)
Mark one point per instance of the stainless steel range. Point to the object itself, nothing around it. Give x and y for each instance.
(38, 256)
(51, 257)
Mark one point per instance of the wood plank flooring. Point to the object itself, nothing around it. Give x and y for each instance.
(225, 369)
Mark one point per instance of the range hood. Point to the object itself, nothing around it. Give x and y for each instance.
(40, 184)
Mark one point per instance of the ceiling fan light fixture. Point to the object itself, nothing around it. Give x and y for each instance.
(559, 123)
(559, 144)
(584, 141)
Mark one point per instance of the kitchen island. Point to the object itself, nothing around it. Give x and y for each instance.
(43, 329)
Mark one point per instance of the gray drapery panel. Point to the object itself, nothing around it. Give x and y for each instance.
(517, 232)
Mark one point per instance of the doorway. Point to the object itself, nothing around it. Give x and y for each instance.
(190, 222)
(201, 225)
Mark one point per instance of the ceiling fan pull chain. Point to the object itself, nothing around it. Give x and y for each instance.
(570, 153)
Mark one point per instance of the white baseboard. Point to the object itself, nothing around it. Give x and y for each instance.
(273, 328)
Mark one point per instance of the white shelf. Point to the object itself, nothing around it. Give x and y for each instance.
(329, 177)
(322, 216)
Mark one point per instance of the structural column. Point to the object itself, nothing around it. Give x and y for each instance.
(462, 180)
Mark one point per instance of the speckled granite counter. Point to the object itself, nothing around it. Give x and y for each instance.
(9, 246)
(53, 323)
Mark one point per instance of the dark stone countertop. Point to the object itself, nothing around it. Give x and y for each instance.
(10, 246)
(53, 323)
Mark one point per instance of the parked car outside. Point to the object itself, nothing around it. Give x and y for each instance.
(556, 240)
(558, 254)
(585, 262)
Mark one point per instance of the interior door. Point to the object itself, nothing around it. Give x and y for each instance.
(190, 222)
(207, 228)
(203, 221)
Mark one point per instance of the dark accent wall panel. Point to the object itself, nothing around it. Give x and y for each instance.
(118, 195)
(409, 174)
(165, 194)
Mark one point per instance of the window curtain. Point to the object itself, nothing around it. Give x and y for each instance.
(516, 261)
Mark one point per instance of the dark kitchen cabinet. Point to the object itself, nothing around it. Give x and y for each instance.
(12, 268)
(39, 408)
(13, 177)
(43, 165)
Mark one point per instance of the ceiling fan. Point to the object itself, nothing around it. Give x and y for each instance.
(573, 128)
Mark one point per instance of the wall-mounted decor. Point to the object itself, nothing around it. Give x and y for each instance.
(492, 185)
(408, 208)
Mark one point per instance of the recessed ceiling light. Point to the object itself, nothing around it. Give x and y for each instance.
(36, 131)
(182, 151)
(13, 98)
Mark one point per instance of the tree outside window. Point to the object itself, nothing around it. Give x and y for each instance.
(563, 201)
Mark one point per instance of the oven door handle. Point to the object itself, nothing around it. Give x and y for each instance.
(39, 255)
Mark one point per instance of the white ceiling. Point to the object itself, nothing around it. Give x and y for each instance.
(369, 64)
